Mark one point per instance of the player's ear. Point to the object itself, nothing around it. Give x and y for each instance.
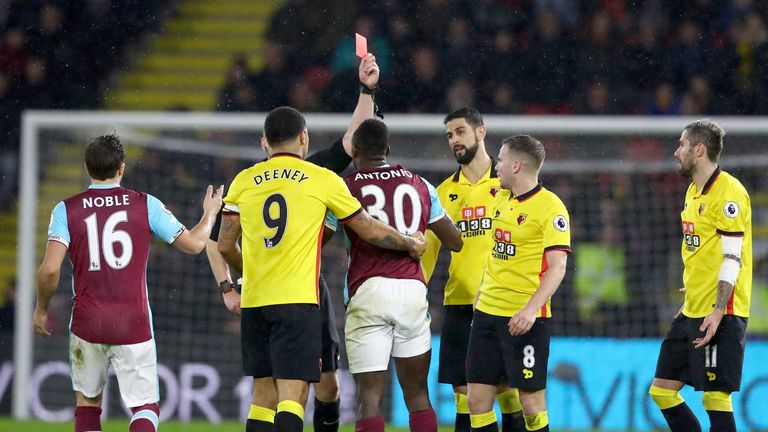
(480, 132)
(121, 170)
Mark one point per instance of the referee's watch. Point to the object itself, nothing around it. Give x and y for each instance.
(226, 286)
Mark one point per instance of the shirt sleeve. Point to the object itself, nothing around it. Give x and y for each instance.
(58, 229)
(557, 229)
(331, 221)
(335, 158)
(734, 214)
(217, 225)
(340, 201)
(162, 222)
(231, 199)
(436, 210)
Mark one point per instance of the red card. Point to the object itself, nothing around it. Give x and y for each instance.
(361, 45)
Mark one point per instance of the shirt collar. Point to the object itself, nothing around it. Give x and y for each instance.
(711, 181)
(492, 169)
(530, 193)
(104, 186)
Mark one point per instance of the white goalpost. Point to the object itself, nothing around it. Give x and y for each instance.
(590, 156)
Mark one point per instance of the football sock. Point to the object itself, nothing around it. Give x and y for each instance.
(512, 419)
(676, 412)
(462, 423)
(260, 419)
(485, 422)
(370, 424)
(87, 418)
(423, 421)
(537, 422)
(289, 417)
(326, 417)
(145, 418)
(720, 411)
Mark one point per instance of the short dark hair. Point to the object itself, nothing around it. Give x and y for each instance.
(103, 157)
(471, 115)
(371, 137)
(283, 124)
(528, 146)
(709, 133)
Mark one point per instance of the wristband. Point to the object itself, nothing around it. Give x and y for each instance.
(226, 286)
(364, 89)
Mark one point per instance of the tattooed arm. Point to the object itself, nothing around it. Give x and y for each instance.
(228, 237)
(382, 235)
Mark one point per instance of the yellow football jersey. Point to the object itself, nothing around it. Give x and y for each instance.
(282, 204)
(525, 228)
(722, 208)
(469, 206)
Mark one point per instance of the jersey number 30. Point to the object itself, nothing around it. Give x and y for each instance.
(398, 197)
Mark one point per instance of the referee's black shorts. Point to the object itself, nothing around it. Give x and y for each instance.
(495, 357)
(281, 341)
(329, 334)
(454, 340)
(714, 367)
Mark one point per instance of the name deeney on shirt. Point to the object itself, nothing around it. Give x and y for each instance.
(276, 174)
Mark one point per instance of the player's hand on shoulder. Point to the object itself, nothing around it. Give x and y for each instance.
(212, 201)
(369, 71)
(40, 322)
(232, 301)
(417, 245)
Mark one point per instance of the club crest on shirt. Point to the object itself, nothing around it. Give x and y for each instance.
(494, 191)
(731, 209)
(521, 218)
(560, 223)
(453, 197)
(701, 208)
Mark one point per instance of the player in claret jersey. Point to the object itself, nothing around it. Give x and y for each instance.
(107, 231)
(704, 347)
(387, 314)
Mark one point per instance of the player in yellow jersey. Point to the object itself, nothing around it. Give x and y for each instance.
(704, 347)
(279, 207)
(511, 327)
(468, 196)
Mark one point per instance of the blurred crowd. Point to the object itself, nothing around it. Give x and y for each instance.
(55, 54)
(652, 57)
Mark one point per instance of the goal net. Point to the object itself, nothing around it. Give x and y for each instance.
(615, 175)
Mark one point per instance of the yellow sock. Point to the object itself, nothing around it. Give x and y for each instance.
(479, 420)
(461, 403)
(292, 407)
(261, 414)
(536, 421)
(509, 401)
(717, 401)
(665, 398)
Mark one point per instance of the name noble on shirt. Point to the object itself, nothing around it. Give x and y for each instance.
(275, 174)
(107, 201)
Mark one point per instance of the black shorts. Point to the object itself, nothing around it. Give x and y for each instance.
(494, 356)
(329, 334)
(454, 340)
(714, 367)
(281, 341)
